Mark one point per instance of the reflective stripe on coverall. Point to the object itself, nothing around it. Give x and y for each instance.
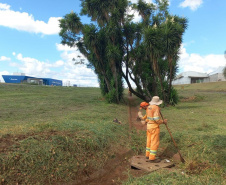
(153, 121)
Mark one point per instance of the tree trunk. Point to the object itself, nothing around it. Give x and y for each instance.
(170, 81)
(143, 97)
(115, 76)
(156, 69)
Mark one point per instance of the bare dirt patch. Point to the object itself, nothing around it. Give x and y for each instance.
(5, 143)
(116, 170)
(197, 167)
(187, 99)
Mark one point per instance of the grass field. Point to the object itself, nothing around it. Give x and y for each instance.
(55, 134)
(24, 108)
(52, 134)
(198, 124)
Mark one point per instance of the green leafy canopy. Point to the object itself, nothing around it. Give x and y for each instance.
(141, 55)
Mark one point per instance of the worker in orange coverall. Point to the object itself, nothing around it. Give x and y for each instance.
(152, 118)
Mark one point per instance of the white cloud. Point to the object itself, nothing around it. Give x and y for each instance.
(4, 6)
(25, 22)
(136, 16)
(3, 58)
(70, 53)
(63, 69)
(61, 47)
(76, 74)
(198, 63)
(59, 63)
(32, 66)
(192, 4)
(147, 1)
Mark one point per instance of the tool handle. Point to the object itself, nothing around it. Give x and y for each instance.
(182, 159)
(169, 132)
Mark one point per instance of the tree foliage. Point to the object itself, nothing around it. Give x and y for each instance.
(143, 53)
(224, 72)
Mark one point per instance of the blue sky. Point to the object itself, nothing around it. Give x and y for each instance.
(29, 40)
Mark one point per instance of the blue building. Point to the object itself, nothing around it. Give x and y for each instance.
(31, 80)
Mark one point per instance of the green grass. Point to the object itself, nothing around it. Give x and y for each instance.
(50, 157)
(23, 107)
(56, 134)
(212, 86)
(198, 125)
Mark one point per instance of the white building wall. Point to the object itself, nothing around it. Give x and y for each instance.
(183, 80)
(217, 77)
(213, 78)
(195, 74)
(205, 80)
(185, 77)
(221, 77)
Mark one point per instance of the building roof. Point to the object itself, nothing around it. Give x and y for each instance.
(192, 74)
(218, 70)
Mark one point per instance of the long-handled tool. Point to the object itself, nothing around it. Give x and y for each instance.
(181, 158)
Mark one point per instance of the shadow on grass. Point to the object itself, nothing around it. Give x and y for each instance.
(169, 151)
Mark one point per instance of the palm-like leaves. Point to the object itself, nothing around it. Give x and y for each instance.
(173, 29)
(71, 26)
(98, 10)
(148, 50)
(145, 10)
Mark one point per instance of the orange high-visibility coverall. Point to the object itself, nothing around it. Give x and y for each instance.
(153, 120)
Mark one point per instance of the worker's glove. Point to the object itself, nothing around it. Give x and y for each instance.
(165, 121)
(140, 115)
(143, 122)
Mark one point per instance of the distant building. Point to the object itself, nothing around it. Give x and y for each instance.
(217, 75)
(21, 78)
(190, 77)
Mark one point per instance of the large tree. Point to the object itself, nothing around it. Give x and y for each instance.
(143, 53)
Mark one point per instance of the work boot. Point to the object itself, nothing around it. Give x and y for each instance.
(154, 161)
